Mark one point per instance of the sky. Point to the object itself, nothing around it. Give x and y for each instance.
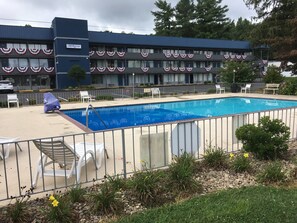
(129, 16)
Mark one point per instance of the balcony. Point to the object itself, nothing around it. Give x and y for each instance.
(11, 52)
(27, 70)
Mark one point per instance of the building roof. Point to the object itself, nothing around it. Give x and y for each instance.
(150, 40)
(26, 33)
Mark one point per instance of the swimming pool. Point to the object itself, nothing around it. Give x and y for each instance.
(135, 115)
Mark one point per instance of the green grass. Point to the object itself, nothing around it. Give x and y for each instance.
(252, 204)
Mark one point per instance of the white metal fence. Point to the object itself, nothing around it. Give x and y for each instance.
(129, 149)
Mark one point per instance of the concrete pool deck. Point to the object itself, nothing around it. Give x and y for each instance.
(31, 122)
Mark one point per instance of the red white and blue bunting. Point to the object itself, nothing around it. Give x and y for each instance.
(6, 50)
(36, 69)
(110, 53)
(167, 55)
(100, 53)
(144, 54)
(48, 69)
(182, 69)
(208, 55)
(92, 69)
(175, 55)
(111, 69)
(167, 69)
(47, 52)
(34, 51)
(189, 69)
(174, 68)
(145, 69)
(8, 69)
(91, 53)
(244, 57)
(121, 69)
(190, 55)
(226, 56)
(22, 69)
(101, 69)
(20, 51)
(121, 54)
(208, 69)
(183, 55)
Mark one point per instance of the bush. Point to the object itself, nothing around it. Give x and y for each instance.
(272, 173)
(76, 194)
(215, 158)
(289, 87)
(104, 97)
(273, 75)
(268, 140)
(240, 162)
(147, 187)
(106, 200)
(182, 172)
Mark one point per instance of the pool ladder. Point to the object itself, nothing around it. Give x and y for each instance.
(98, 115)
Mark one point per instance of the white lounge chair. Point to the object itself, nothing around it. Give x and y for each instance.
(84, 96)
(219, 89)
(246, 88)
(70, 158)
(155, 91)
(5, 144)
(12, 99)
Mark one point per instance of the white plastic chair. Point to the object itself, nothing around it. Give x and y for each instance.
(219, 89)
(70, 158)
(84, 96)
(155, 91)
(246, 88)
(12, 99)
(5, 144)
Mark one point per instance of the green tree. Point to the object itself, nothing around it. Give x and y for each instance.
(164, 18)
(211, 20)
(77, 73)
(273, 75)
(237, 72)
(279, 26)
(184, 15)
(243, 30)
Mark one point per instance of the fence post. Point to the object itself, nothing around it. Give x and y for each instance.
(124, 154)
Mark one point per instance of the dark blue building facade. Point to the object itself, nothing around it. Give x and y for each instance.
(34, 58)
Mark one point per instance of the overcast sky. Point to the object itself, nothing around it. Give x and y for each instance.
(113, 15)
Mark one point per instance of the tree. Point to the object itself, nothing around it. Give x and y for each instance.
(237, 72)
(243, 30)
(273, 75)
(184, 16)
(164, 19)
(211, 20)
(77, 73)
(279, 26)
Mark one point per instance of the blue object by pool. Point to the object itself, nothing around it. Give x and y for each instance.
(135, 115)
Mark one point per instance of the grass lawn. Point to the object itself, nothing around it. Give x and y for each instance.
(251, 204)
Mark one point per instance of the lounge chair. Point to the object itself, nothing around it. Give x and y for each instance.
(12, 99)
(219, 89)
(84, 96)
(5, 144)
(51, 103)
(246, 88)
(70, 158)
(155, 91)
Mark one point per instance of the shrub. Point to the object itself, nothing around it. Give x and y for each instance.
(215, 158)
(272, 173)
(147, 187)
(76, 194)
(268, 140)
(182, 171)
(289, 87)
(106, 200)
(240, 162)
(59, 210)
(104, 97)
(116, 182)
(273, 75)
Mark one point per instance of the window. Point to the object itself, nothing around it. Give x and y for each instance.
(34, 63)
(23, 62)
(13, 62)
(43, 62)
(133, 50)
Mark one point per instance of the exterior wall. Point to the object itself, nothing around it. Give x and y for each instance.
(110, 59)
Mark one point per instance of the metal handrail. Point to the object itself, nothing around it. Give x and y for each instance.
(98, 115)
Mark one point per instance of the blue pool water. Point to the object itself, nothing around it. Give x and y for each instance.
(135, 115)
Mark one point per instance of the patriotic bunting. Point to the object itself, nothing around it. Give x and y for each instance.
(100, 53)
(190, 55)
(47, 52)
(145, 69)
(110, 53)
(208, 55)
(101, 69)
(34, 51)
(144, 54)
(182, 55)
(121, 54)
(208, 68)
(226, 56)
(121, 69)
(92, 69)
(189, 69)
(167, 55)
(22, 69)
(111, 69)
(91, 53)
(238, 57)
(182, 69)
(20, 51)
(8, 69)
(244, 57)
(48, 69)
(36, 69)
(6, 50)
(167, 69)
(175, 55)
(174, 68)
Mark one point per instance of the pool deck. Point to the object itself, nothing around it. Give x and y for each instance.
(31, 122)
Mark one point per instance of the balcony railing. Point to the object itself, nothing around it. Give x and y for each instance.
(26, 52)
(27, 70)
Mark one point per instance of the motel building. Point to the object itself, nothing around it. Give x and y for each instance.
(37, 58)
